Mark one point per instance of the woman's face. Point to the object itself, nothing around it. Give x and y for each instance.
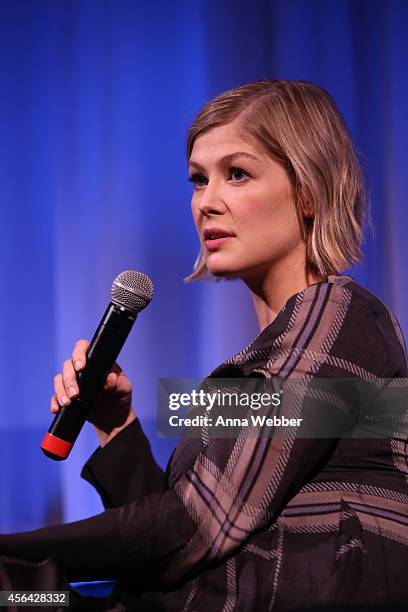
(243, 207)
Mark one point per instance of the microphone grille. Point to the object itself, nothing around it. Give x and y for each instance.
(132, 290)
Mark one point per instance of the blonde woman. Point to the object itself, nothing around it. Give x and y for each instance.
(272, 522)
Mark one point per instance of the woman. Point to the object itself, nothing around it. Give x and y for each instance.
(269, 522)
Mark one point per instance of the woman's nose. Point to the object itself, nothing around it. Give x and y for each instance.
(211, 201)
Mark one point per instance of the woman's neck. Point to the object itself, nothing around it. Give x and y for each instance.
(277, 286)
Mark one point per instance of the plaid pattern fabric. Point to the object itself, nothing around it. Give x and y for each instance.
(282, 522)
(258, 523)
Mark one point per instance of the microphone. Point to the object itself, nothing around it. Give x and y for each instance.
(131, 292)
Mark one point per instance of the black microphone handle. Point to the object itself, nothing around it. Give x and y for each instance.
(102, 353)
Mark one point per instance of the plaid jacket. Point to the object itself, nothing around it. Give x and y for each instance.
(256, 523)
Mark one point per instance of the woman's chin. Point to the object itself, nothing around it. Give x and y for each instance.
(248, 274)
(223, 271)
(223, 267)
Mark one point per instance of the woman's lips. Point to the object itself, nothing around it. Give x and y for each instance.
(216, 237)
(216, 243)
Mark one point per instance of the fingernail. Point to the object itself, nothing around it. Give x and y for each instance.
(71, 390)
(78, 363)
(64, 400)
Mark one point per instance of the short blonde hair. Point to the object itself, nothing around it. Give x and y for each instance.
(299, 125)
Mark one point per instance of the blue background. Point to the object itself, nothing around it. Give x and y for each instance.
(96, 99)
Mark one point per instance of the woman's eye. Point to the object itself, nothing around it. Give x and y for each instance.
(198, 180)
(237, 174)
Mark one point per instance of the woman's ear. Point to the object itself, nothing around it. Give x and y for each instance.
(305, 212)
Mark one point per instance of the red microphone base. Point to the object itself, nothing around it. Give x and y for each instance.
(55, 448)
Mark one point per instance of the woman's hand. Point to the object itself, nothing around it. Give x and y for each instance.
(112, 409)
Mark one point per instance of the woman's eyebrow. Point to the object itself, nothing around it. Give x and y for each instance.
(227, 158)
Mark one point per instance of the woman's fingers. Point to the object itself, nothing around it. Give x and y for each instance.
(60, 391)
(66, 385)
(112, 378)
(79, 354)
(54, 406)
(69, 379)
(117, 382)
(123, 385)
(111, 381)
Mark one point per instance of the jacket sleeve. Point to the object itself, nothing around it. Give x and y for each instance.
(234, 487)
(124, 470)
